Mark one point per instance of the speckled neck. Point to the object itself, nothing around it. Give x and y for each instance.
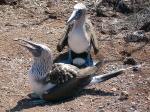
(40, 68)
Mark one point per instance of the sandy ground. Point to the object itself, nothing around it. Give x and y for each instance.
(15, 62)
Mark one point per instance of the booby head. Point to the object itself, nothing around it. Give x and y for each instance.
(40, 52)
(78, 12)
(41, 66)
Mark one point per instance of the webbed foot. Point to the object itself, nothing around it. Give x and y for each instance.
(38, 101)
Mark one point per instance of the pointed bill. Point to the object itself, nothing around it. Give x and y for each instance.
(72, 17)
(32, 47)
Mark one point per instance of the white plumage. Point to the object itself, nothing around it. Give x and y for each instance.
(78, 40)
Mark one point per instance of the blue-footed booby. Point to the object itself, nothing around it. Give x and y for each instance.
(56, 81)
(79, 37)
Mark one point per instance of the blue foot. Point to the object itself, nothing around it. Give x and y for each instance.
(89, 62)
(69, 57)
(38, 101)
(65, 61)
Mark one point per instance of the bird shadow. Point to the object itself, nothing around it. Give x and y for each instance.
(27, 103)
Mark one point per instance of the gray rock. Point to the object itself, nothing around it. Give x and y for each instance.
(136, 36)
(123, 96)
(136, 20)
(9, 1)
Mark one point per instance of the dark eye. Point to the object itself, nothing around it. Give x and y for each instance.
(38, 51)
(79, 13)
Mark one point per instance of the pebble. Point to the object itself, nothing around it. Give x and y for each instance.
(114, 89)
(123, 95)
(137, 36)
(129, 61)
(148, 97)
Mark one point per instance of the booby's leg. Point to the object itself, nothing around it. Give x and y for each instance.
(69, 56)
(89, 59)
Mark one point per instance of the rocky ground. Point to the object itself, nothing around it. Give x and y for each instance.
(123, 39)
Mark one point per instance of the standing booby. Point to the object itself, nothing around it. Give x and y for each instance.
(79, 36)
(58, 81)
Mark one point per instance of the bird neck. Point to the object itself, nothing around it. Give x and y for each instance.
(80, 23)
(40, 68)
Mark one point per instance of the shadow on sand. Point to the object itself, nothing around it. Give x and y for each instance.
(27, 103)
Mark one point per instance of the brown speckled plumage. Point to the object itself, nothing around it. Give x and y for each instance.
(62, 73)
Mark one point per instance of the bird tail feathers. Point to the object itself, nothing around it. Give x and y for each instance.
(104, 77)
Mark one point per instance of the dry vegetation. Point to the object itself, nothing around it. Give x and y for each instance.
(43, 21)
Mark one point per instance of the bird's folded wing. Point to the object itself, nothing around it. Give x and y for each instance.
(64, 40)
(62, 73)
(68, 80)
(67, 89)
(91, 33)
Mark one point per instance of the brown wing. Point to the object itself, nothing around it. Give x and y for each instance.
(62, 73)
(64, 41)
(68, 79)
(91, 33)
(66, 90)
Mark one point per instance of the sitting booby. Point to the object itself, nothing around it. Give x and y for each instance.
(56, 81)
(79, 37)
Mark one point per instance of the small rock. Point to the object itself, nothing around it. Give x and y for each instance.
(114, 89)
(123, 95)
(122, 7)
(148, 97)
(11, 2)
(8, 24)
(100, 107)
(104, 8)
(49, 4)
(24, 25)
(125, 53)
(104, 12)
(129, 61)
(137, 36)
(146, 27)
(100, 111)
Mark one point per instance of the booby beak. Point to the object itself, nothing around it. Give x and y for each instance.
(35, 49)
(72, 17)
(76, 14)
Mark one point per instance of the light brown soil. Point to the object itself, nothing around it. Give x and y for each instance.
(15, 62)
